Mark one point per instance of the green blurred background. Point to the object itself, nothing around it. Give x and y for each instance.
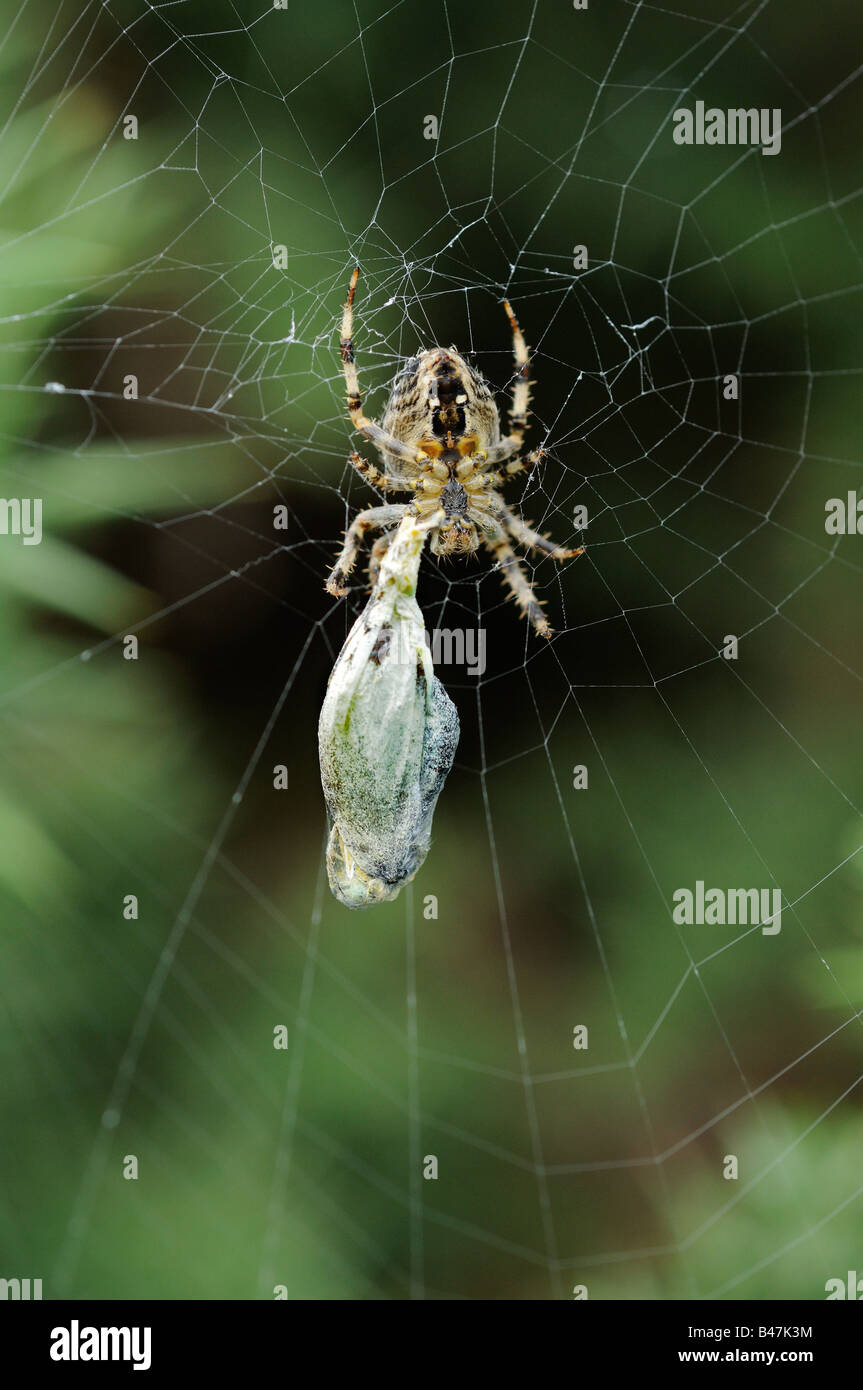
(411, 1036)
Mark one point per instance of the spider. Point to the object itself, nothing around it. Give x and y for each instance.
(440, 439)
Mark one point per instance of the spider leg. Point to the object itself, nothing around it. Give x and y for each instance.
(512, 442)
(379, 550)
(370, 519)
(516, 580)
(502, 475)
(378, 477)
(367, 427)
(521, 389)
(530, 539)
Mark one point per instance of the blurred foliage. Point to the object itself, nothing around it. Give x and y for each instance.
(259, 1167)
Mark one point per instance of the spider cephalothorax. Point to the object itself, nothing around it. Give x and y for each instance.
(440, 439)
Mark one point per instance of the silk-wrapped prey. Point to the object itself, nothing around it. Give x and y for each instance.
(387, 735)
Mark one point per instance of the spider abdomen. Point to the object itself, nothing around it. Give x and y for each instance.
(439, 397)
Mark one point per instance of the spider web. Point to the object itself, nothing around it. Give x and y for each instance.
(205, 261)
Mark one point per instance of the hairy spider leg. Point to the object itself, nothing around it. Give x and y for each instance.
(512, 442)
(361, 422)
(501, 476)
(378, 477)
(515, 579)
(530, 539)
(379, 550)
(368, 520)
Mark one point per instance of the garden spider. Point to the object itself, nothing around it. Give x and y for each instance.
(440, 439)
